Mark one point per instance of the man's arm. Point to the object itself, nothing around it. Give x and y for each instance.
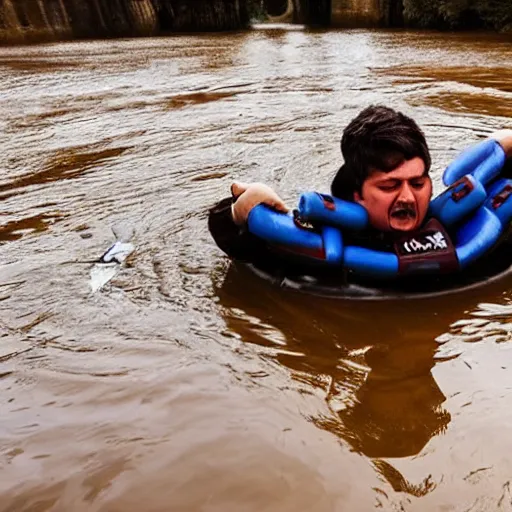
(234, 240)
(227, 221)
(504, 138)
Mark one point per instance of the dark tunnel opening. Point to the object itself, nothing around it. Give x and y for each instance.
(275, 7)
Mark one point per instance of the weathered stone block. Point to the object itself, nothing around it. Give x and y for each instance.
(356, 13)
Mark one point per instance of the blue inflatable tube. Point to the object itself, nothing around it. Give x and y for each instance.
(500, 201)
(279, 228)
(458, 201)
(477, 204)
(371, 263)
(325, 209)
(484, 161)
(333, 245)
(477, 236)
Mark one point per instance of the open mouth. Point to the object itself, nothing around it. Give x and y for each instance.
(403, 213)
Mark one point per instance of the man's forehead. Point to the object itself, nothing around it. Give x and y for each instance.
(409, 169)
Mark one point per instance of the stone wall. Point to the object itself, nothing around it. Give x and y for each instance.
(201, 15)
(25, 21)
(313, 12)
(356, 13)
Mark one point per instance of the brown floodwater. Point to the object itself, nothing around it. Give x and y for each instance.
(186, 384)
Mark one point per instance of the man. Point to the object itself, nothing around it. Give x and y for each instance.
(386, 168)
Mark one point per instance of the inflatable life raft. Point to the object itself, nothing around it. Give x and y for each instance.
(466, 222)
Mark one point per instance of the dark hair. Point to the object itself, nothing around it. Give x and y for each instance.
(379, 138)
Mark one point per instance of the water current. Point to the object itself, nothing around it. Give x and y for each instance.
(186, 384)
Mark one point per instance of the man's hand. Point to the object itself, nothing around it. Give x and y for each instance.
(504, 137)
(250, 195)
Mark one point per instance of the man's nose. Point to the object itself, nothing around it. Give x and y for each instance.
(406, 194)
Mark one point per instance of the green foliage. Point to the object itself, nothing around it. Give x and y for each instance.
(493, 14)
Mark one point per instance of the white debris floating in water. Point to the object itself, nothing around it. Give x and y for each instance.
(110, 262)
(117, 253)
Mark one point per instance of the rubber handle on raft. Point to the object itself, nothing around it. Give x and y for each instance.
(500, 201)
(325, 209)
(455, 203)
(484, 161)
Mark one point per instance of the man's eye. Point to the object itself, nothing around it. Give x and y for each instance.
(388, 188)
(418, 184)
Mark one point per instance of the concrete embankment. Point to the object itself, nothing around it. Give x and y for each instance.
(25, 21)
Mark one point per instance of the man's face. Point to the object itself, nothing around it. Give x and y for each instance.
(397, 200)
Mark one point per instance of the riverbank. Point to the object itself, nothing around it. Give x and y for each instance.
(34, 21)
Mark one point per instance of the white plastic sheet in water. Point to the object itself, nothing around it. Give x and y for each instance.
(111, 261)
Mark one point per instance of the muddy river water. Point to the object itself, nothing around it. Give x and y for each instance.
(186, 384)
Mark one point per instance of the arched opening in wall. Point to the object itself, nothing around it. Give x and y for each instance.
(286, 16)
(275, 7)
